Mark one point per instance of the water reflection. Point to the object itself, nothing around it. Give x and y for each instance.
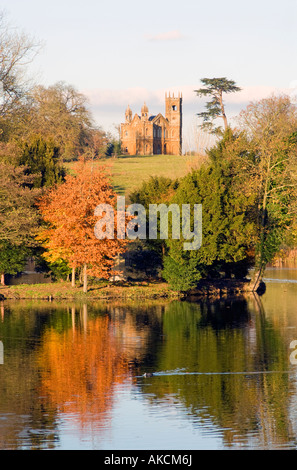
(73, 374)
(234, 389)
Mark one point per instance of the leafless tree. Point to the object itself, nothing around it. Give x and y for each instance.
(17, 50)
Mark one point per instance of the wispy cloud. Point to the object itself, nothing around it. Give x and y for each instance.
(135, 96)
(167, 36)
(108, 105)
(120, 97)
(254, 93)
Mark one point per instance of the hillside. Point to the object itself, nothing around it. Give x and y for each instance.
(129, 172)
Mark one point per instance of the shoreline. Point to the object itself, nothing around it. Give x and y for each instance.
(125, 290)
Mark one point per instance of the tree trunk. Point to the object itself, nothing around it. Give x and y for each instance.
(262, 262)
(257, 279)
(223, 110)
(73, 277)
(85, 279)
(225, 121)
(2, 279)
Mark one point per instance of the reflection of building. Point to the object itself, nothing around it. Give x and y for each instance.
(150, 135)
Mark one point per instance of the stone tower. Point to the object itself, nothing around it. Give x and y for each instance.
(173, 113)
(144, 113)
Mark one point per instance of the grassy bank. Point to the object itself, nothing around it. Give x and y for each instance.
(128, 172)
(125, 291)
(63, 290)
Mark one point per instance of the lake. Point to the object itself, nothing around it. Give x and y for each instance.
(71, 375)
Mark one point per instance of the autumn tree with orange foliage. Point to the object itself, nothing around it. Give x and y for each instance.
(68, 210)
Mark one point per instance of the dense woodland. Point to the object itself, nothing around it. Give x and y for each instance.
(247, 185)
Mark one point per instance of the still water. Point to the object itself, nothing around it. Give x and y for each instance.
(72, 375)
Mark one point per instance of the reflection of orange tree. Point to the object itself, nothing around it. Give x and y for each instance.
(79, 369)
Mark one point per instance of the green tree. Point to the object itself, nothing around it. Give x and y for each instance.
(181, 272)
(215, 108)
(269, 132)
(156, 190)
(227, 230)
(41, 158)
(36, 163)
(18, 216)
(113, 147)
(12, 259)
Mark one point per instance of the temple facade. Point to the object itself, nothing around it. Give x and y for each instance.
(153, 135)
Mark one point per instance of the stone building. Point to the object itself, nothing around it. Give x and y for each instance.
(152, 135)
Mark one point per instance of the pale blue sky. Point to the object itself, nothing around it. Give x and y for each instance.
(120, 52)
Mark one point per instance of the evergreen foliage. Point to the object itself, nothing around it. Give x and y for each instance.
(12, 258)
(41, 158)
(226, 229)
(215, 87)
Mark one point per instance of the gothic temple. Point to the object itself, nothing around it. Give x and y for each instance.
(152, 135)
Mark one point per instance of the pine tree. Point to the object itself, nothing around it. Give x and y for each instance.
(41, 158)
(215, 87)
(18, 217)
(227, 231)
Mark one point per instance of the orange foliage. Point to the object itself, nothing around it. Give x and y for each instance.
(81, 368)
(69, 211)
